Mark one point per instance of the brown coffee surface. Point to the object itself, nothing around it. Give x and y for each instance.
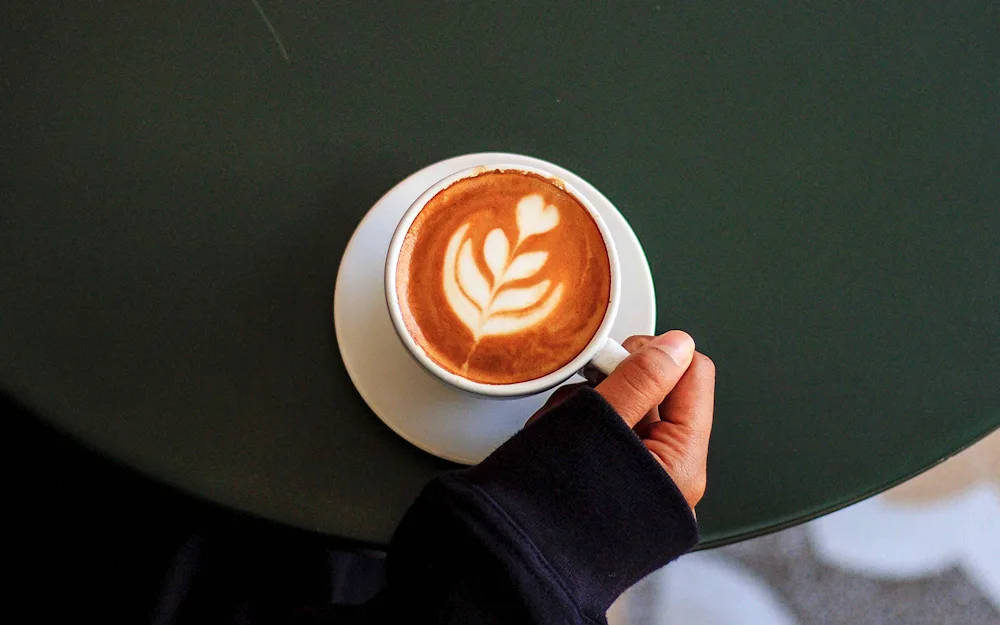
(503, 277)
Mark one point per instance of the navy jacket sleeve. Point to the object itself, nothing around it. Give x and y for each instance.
(550, 528)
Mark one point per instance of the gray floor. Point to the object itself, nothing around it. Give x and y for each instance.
(810, 592)
(819, 594)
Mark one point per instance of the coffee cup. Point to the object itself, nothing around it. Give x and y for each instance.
(507, 267)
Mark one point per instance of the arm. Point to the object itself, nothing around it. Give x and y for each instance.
(568, 513)
(552, 527)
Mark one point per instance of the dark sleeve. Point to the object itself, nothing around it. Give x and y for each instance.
(550, 528)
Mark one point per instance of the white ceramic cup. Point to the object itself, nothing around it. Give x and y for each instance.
(602, 352)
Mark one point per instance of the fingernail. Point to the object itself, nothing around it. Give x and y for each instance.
(676, 344)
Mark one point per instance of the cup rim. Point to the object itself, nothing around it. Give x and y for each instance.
(514, 389)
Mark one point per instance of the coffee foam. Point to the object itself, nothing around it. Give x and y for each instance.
(503, 277)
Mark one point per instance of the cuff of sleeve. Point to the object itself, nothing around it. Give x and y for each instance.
(591, 498)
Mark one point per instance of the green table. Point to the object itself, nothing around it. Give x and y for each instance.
(817, 188)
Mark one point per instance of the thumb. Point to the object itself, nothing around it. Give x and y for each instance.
(643, 379)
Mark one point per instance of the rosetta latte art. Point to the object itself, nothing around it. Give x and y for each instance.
(489, 307)
(503, 277)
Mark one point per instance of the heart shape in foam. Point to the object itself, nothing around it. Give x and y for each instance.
(492, 308)
(534, 217)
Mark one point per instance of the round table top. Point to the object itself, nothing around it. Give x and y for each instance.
(817, 189)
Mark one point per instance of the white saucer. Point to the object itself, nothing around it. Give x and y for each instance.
(416, 405)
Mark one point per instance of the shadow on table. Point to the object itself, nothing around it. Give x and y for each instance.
(90, 537)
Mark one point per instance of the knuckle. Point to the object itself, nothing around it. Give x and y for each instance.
(694, 486)
(644, 373)
(699, 486)
(695, 496)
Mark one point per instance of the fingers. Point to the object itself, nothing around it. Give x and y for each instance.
(680, 440)
(633, 344)
(692, 402)
(641, 382)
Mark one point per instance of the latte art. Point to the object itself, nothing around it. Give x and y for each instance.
(503, 277)
(486, 307)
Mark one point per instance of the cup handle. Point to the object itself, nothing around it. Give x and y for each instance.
(605, 360)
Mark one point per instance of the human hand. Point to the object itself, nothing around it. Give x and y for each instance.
(665, 392)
